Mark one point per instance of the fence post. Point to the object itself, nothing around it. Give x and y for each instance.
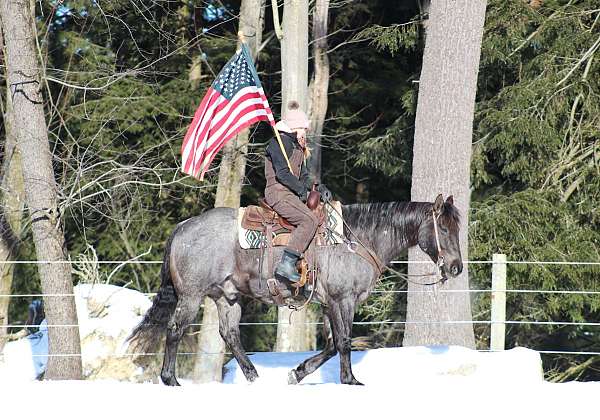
(498, 325)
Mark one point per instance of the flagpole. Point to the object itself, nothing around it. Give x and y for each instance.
(283, 149)
(242, 40)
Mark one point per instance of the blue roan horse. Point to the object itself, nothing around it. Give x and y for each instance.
(203, 258)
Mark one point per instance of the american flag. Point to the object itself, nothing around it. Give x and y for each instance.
(233, 102)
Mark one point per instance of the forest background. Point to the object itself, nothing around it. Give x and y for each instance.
(534, 171)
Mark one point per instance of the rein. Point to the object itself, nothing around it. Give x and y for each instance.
(440, 262)
(364, 251)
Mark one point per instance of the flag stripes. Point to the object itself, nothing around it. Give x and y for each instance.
(235, 101)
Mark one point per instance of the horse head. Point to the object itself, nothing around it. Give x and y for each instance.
(438, 236)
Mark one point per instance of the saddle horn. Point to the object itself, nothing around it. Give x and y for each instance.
(313, 198)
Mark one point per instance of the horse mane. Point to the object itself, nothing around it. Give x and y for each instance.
(370, 217)
(398, 219)
(394, 225)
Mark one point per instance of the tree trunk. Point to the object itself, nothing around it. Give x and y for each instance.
(441, 161)
(319, 86)
(294, 335)
(424, 6)
(294, 54)
(208, 365)
(40, 187)
(11, 201)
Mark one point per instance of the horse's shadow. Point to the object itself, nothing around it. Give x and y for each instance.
(275, 367)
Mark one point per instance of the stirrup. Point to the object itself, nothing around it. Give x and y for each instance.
(275, 292)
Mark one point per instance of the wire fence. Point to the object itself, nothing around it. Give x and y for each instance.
(403, 291)
(391, 262)
(481, 322)
(376, 291)
(123, 355)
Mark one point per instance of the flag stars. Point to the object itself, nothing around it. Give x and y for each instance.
(236, 75)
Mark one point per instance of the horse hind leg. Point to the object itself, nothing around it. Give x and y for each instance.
(230, 313)
(185, 311)
(310, 365)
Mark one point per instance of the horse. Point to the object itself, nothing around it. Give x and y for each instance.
(203, 258)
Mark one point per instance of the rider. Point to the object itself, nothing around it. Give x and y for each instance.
(286, 192)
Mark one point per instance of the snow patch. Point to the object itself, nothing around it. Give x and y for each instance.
(106, 314)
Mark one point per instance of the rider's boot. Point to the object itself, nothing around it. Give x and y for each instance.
(286, 269)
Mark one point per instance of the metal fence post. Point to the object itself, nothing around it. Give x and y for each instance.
(498, 325)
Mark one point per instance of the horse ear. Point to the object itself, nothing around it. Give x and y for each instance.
(439, 202)
(450, 200)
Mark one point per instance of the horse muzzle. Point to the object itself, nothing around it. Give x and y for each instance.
(455, 268)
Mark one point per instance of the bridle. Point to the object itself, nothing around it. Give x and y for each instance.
(440, 260)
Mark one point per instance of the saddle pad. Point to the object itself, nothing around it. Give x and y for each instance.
(254, 239)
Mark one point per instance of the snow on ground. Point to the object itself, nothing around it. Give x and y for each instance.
(445, 397)
(412, 383)
(25, 359)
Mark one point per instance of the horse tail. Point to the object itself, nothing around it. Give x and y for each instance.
(144, 336)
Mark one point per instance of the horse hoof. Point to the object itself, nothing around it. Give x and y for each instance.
(250, 374)
(292, 378)
(169, 381)
(353, 381)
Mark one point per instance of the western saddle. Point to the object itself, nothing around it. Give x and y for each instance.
(258, 217)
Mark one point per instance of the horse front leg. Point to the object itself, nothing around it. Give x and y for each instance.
(230, 314)
(310, 365)
(341, 315)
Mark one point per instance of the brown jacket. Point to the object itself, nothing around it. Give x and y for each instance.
(286, 191)
(280, 181)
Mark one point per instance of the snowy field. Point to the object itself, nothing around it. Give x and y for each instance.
(412, 383)
(385, 396)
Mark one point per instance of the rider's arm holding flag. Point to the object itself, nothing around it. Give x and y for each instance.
(281, 168)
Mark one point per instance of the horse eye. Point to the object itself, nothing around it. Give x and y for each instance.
(444, 230)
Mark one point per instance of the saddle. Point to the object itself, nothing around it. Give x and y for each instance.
(257, 217)
(253, 222)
